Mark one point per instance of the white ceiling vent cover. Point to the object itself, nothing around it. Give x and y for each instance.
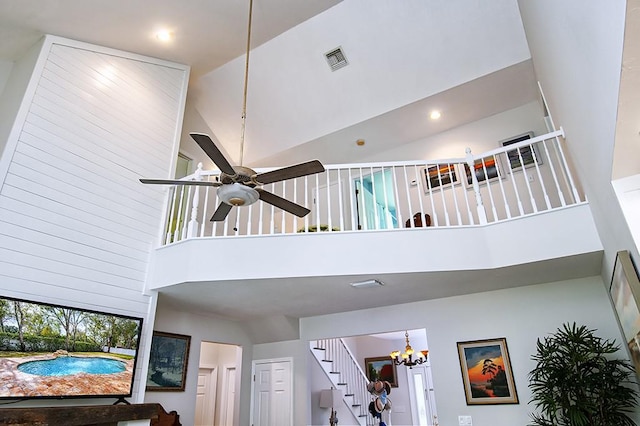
(336, 59)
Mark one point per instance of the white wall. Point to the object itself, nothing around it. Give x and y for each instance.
(76, 226)
(522, 315)
(5, 70)
(577, 54)
(299, 351)
(481, 136)
(203, 329)
(294, 97)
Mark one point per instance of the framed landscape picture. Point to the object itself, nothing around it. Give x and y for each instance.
(381, 368)
(485, 169)
(526, 155)
(439, 175)
(486, 372)
(168, 362)
(624, 291)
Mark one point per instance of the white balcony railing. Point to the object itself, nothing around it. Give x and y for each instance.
(525, 178)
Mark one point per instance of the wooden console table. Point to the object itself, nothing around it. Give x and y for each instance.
(88, 415)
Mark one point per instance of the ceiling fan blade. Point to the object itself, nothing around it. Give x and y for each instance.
(284, 204)
(213, 152)
(298, 170)
(221, 212)
(179, 182)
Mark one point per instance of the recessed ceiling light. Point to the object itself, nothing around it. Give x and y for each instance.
(367, 284)
(434, 115)
(165, 35)
(360, 142)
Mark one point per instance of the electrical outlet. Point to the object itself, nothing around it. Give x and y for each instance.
(464, 421)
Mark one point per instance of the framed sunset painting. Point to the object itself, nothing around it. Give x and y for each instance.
(625, 293)
(486, 372)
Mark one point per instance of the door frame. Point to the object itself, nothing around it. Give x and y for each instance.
(254, 363)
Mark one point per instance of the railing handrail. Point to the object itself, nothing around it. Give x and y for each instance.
(444, 161)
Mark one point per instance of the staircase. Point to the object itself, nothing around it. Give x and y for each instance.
(344, 373)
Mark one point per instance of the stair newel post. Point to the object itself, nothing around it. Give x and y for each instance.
(192, 230)
(482, 214)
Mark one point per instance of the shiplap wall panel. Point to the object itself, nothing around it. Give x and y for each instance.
(25, 288)
(91, 202)
(76, 225)
(122, 143)
(90, 174)
(37, 204)
(77, 178)
(33, 194)
(95, 78)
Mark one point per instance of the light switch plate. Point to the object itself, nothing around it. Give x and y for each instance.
(464, 421)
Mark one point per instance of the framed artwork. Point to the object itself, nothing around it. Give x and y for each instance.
(486, 372)
(485, 169)
(624, 291)
(168, 361)
(381, 368)
(438, 175)
(528, 153)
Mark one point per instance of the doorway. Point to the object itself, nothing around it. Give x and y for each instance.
(375, 201)
(218, 384)
(272, 392)
(421, 395)
(412, 394)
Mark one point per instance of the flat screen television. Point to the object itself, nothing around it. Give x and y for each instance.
(53, 351)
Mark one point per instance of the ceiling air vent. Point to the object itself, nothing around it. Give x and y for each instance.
(336, 59)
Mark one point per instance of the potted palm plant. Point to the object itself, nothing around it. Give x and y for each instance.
(577, 382)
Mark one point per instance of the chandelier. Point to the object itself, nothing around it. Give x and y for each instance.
(406, 357)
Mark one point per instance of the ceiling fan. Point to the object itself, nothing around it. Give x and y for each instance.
(239, 185)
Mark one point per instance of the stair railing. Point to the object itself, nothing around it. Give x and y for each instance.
(346, 374)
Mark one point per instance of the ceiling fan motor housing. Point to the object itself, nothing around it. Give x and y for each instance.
(238, 194)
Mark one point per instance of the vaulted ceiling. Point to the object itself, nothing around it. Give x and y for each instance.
(405, 58)
(468, 59)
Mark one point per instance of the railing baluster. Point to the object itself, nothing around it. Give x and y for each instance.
(284, 195)
(416, 174)
(516, 192)
(406, 187)
(362, 213)
(170, 217)
(340, 203)
(553, 170)
(329, 213)
(316, 201)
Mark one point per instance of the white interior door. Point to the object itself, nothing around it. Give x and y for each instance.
(206, 396)
(272, 393)
(228, 396)
(423, 404)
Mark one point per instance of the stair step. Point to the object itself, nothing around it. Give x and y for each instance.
(356, 405)
(348, 394)
(334, 372)
(320, 349)
(341, 384)
(326, 360)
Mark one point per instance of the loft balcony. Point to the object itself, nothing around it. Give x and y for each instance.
(514, 205)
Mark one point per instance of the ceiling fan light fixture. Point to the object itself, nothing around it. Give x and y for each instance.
(237, 194)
